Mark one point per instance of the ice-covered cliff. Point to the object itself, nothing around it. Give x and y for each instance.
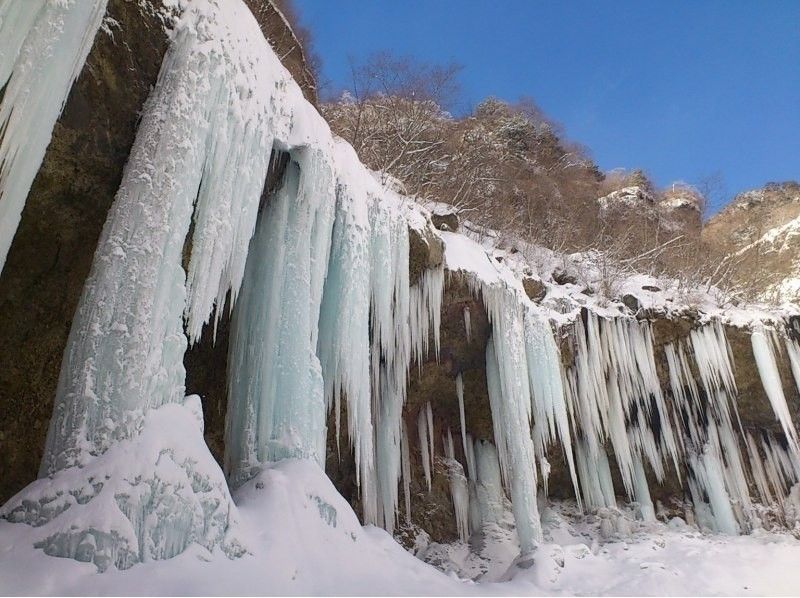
(237, 207)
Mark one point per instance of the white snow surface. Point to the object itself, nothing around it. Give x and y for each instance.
(304, 539)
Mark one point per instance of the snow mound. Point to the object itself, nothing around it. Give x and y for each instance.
(146, 498)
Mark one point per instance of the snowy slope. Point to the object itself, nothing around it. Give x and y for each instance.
(304, 539)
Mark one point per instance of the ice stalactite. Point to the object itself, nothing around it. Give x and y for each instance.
(136, 288)
(509, 398)
(459, 490)
(424, 441)
(594, 474)
(763, 342)
(405, 456)
(774, 468)
(618, 399)
(468, 323)
(550, 407)
(720, 456)
(523, 378)
(462, 416)
(43, 46)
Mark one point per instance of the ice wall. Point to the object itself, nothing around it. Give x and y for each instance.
(201, 155)
(43, 46)
(611, 404)
(331, 240)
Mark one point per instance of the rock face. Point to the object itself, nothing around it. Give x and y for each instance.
(759, 233)
(52, 251)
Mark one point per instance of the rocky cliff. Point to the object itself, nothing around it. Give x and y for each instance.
(758, 233)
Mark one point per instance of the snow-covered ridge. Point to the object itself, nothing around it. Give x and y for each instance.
(324, 317)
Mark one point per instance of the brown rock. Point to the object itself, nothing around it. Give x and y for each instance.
(534, 288)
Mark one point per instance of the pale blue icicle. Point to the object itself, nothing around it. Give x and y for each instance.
(771, 381)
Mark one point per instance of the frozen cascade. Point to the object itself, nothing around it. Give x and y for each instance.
(718, 453)
(618, 399)
(325, 319)
(202, 151)
(510, 403)
(550, 409)
(136, 288)
(43, 46)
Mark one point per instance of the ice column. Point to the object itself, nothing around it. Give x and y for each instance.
(276, 405)
(771, 380)
(125, 350)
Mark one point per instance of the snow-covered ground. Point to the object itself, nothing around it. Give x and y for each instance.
(303, 538)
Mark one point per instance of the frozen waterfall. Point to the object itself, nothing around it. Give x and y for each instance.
(327, 326)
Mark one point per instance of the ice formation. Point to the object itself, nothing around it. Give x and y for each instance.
(43, 46)
(201, 157)
(459, 490)
(326, 320)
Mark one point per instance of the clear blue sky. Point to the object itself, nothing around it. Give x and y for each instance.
(681, 89)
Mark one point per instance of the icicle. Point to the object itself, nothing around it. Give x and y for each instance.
(43, 46)
(550, 411)
(771, 380)
(429, 418)
(510, 402)
(424, 451)
(405, 455)
(709, 472)
(458, 488)
(467, 323)
(594, 474)
(275, 377)
(461, 414)
(426, 309)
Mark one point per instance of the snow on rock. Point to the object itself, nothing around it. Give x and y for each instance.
(628, 198)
